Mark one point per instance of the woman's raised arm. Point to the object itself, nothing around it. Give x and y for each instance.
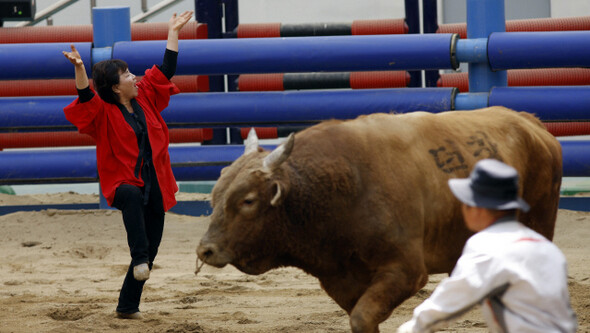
(80, 71)
(174, 25)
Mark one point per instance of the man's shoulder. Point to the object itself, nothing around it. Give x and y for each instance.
(498, 236)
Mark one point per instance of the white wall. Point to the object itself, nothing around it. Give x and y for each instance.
(308, 11)
(568, 8)
(285, 11)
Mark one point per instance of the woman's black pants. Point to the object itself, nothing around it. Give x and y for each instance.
(144, 225)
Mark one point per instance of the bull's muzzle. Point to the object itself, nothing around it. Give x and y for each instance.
(210, 254)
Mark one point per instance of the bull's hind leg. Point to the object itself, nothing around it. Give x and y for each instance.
(544, 201)
(390, 286)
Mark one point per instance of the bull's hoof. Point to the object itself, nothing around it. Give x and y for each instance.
(141, 272)
(359, 325)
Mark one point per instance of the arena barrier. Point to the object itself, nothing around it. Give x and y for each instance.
(309, 107)
(358, 27)
(84, 33)
(301, 81)
(250, 82)
(485, 52)
(526, 77)
(314, 54)
(188, 163)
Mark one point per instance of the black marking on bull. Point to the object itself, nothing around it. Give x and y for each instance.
(448, 158)
(484, 148)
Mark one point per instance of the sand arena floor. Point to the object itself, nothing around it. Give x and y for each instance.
(60, 271)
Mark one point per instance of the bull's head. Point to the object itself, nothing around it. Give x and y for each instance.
(246, 204)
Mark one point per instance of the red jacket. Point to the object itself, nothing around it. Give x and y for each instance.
(116, 143)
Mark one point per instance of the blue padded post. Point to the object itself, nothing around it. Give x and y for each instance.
(110, 25)
(483, 18)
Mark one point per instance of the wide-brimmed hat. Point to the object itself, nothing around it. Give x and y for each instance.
(491, 184)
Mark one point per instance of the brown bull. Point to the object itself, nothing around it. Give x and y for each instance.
(364, 206)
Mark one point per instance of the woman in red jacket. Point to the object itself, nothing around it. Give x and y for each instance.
(131, 151)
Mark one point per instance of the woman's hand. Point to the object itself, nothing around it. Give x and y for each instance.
(177, 22)
(80, 71)
(74, 56)
(174, 25)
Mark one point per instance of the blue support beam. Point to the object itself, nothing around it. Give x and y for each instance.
(79, 165)
(48, 166)
(470, 101)
(483, 18)
(548, 103)
(576, 158)
(40, 60)
(109, 25)
(244, 109)
(473, 50)
(188, 163)
(311, 106)
(238, 56)
(319, 54)
(516, 50)
(34, 112)
(301, 107)
(559, 103)
(297, 54)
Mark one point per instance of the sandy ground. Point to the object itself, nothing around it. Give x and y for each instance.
(60, 271)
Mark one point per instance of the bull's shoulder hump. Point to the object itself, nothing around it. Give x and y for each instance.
(389, 120)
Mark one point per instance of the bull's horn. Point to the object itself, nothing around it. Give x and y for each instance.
(251, 142)
(279, 155)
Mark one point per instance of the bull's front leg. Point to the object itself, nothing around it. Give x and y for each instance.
(390, 286)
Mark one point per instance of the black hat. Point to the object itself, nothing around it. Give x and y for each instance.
(492, 184)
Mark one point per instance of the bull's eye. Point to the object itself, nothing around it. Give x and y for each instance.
(249, 199)
(249, 205)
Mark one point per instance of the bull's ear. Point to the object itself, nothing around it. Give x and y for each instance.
(279, 194)
(279, 155)
(251, 142)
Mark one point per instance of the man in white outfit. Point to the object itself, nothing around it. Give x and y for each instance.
(518, 276)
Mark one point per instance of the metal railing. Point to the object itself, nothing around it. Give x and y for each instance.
(47, 13)
(146, 14)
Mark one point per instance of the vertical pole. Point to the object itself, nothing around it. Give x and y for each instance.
(483, 18)
(110, 25)
(412, 8)
(210, 12)
(230, 12)
(430, 26)
(232, 20)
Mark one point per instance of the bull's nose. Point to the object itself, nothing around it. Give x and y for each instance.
(206, 251)
(213, 254)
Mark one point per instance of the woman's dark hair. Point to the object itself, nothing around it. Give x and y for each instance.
(105, 75)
